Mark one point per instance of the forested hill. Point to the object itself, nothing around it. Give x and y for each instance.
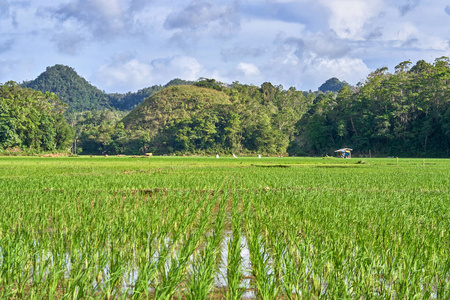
(130, 100)
(71, 89)
(332, 85)
(401, 113)
(211, 117)
(405, 113)
(80, 95)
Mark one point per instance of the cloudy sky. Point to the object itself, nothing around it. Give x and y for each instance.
(126, 45)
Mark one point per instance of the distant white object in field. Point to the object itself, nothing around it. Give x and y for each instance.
(234, 156)
(259, 156)
(217, 155)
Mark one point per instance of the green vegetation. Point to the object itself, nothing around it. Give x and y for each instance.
(32, 120)
(130, 100)
(75, 91)
(332, 85)
(402, 114)
(211, 118)
(80, 95)
(173, 227)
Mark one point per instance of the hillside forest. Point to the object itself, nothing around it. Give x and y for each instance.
(405, 112)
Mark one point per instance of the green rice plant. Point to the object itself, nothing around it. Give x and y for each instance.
(172, 274)
(265, 279)
(234, 260)
(98, 227)
(205, 263)
(147, 271)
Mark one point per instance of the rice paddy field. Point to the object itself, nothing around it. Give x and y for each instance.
(201, 228)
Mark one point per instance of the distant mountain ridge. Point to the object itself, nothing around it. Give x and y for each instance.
(80, 95)
(71, 89)
(332, 85)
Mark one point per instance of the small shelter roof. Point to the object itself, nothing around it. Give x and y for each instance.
(343, 149)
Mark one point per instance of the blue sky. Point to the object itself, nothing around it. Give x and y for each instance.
(126, 45)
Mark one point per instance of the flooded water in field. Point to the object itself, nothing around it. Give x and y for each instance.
(48, 263)
(130, 278)
(220, 280)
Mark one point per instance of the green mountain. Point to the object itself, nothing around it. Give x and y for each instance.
(172, 104)
(180, 117)
(209, 117)
(80, 95)
(130, 100)
(71, 89)
(332, 85)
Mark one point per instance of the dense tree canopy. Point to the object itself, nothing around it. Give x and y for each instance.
(75, 91)
(210, 117)
(406, 113)
(30, 119)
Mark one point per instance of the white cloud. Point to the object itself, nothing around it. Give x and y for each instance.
(126, 72)
(109, 8)
(290, 42)
(183, 67)
(401, 32)
(15, 70)
(318, 70)
(263, 31)
(202, 19)
(325, 44)
(103, 20)
(349, 17)
(123, 74)
(249, 69)
(436, 43)
(295, 63)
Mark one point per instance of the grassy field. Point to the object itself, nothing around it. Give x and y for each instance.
(201, 227)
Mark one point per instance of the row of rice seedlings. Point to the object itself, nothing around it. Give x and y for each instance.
(384, 241)
(338, 261)
(205, 263)
(78, 260)
(287, 273)
(152, 249)
(69, 257)
(172, 272)
(403, 255)
(122, 245)
(234, 271)
(265, 280)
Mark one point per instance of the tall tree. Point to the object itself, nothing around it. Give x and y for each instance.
(31, 119)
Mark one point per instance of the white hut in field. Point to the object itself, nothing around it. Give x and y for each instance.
(344, 152)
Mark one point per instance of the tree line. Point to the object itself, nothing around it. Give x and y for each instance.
(403, 113)
(33, 120)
